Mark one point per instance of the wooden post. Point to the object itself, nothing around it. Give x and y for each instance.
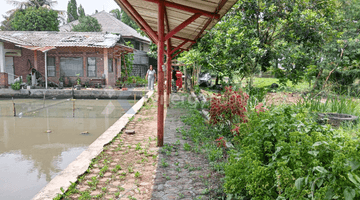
(160, 60)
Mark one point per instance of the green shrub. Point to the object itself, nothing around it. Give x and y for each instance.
(16, 85)
(281, 154)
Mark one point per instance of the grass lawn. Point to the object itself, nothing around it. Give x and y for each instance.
(266, 82)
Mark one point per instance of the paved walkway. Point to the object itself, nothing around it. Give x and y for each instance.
(132, 167)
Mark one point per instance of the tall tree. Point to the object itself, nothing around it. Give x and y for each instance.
(81, 11)
(87, 24)
(30, 3)
(20, 5)
(259, 34)
(72, 11)
(127, 20)
(35, 19)
(116, 12)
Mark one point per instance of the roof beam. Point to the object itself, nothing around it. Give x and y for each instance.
(178, 53)
(187, 9)
(181, 38)
(182, 25)
(141, 20)
(178, 47)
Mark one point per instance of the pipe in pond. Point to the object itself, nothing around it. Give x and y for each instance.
(73, 108)
(134, 98)
(14, 110)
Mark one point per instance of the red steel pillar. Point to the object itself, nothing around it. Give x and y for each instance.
(169, 78)
(160, 121)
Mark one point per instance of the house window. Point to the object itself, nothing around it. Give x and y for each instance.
(91, 67)
(110, 64)
(137, 45)
(51, 69)
(71, 66)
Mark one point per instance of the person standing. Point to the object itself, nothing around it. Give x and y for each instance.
(174, 79)
(151, 77)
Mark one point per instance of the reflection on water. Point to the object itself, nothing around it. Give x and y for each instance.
(45, 137)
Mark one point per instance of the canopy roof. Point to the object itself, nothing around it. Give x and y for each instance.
(189, 17)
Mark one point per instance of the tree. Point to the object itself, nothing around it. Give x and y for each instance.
(21, 5)
(72, 11)
(116, 12)
(35, 19)
(30, 3)
(87, 24)
(128, 21)
(6, 24)
(81, 11)
(259, 34)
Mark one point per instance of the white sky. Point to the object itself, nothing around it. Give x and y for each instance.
(89, 6)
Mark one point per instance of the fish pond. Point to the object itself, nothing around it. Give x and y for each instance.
(45, 136)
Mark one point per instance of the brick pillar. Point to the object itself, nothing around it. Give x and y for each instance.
(3, 79)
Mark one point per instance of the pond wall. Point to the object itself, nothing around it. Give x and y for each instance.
(72, 94)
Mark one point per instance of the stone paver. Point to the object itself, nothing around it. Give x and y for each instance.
(132, 166)
(181, 178)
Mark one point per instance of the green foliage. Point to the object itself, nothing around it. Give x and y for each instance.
(136, 79)
(258, 35)
(28, 79)
(35, 19)
(72, 13)
(117, 13)
(16, 85)
(81, 11)
(283, 154)
(128, 21)
(87, 24)
(128, 61)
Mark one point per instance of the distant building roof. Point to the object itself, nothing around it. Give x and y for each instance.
(110, 24)
(39, 39)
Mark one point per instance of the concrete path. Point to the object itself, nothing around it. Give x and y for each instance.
(132, 167)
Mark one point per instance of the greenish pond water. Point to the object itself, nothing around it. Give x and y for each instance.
(45, 136)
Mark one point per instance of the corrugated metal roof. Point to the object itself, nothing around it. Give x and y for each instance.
(38, 39)
(110, 24)
(148, 10)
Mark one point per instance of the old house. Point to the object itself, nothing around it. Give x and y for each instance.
(56, 56)
(141, 44)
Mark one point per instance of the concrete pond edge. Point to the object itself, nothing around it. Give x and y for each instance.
(82, 162)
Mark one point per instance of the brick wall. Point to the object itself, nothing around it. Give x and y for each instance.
(3, 79)
(23, 64)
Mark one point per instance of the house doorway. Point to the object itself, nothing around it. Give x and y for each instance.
(9, 69)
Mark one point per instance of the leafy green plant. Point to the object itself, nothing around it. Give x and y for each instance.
(16, 85)
(187, 147)
(164, 163)
(137, 174)
(285, 154)
(78, 80)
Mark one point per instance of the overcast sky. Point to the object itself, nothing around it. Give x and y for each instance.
(89, 5)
